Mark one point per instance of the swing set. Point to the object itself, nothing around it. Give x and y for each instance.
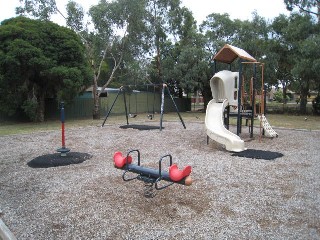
(150, 114)
(126, 90)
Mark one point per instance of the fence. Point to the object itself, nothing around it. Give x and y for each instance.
(137, 102)
(79, 108)
(287, 108)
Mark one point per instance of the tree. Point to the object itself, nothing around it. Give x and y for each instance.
(99, 42)
(282, 53)
(183, 61)
(39, 59)
(306, 68)
(109, 19)
(311, 7)
(297, 37)
(218, 29)
(160, 21)
(40, 9)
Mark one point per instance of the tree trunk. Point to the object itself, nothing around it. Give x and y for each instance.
(207, 96)
(180, 92)
(96, 104)
(96, 108)
(284, 94)
(284, 97)
(304, 100)
(158, 64)
(41, 107)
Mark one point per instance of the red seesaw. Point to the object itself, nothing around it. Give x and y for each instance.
(152, 176)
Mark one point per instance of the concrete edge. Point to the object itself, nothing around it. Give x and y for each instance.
(5, 233)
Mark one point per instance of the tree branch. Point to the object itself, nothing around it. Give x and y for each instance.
(115, 68)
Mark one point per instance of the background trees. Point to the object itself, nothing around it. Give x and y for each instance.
(154, 41)
(38, 59)
(293, 45)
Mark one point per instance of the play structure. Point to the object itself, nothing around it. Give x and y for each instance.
(125, 91)
(151, 177)
(231, 99)
(223, 93)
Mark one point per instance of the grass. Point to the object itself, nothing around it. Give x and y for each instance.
(294, 122)
(276, 120)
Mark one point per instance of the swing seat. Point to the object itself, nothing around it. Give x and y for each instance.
(177, 175)
(132, 115)
(120, 160)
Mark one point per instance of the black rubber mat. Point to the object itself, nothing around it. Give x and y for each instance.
(56, 160)
(140, 127)
(258, 154)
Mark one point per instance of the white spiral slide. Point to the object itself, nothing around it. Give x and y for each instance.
(216, 130)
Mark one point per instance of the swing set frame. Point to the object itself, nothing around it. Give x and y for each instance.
(123, 90)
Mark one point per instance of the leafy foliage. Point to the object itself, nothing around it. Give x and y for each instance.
(307, 6)
(38, 59)
(41, 9)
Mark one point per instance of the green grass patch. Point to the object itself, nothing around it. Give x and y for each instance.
(276, 120)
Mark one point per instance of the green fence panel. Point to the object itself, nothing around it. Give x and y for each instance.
(137, 102)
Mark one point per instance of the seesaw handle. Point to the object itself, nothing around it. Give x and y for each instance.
(127, 165)
(160, 174)
(128, 154)
(160, 161)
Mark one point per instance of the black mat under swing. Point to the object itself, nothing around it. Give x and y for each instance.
(56, 160)
(258, 154)
(140, 127)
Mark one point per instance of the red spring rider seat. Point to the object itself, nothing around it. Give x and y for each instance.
(120, 160)
(176, 174)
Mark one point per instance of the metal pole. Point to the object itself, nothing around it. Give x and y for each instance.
(62, 125)
(265, 104)
(175, 105)
(105, 119)
(162, 106)
(63, 150)
(125, 105)
(239, 98)
(253, 99)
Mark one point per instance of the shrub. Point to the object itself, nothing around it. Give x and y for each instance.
(278, 96)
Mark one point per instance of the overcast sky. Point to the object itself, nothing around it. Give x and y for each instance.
(200, 8)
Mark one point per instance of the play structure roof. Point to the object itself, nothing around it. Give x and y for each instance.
(229, 53)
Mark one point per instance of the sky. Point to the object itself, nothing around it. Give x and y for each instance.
(236, 9)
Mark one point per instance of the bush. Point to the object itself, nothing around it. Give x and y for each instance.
(30, 108)
(278, 96)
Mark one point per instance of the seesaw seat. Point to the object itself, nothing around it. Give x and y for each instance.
(120, 160)
(176, 174)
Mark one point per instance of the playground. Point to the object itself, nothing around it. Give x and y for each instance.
(214, 176)
(230, 197)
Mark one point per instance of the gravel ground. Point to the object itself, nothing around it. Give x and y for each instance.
(231, 197)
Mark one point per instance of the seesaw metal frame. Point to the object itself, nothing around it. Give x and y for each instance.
(148, 175)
